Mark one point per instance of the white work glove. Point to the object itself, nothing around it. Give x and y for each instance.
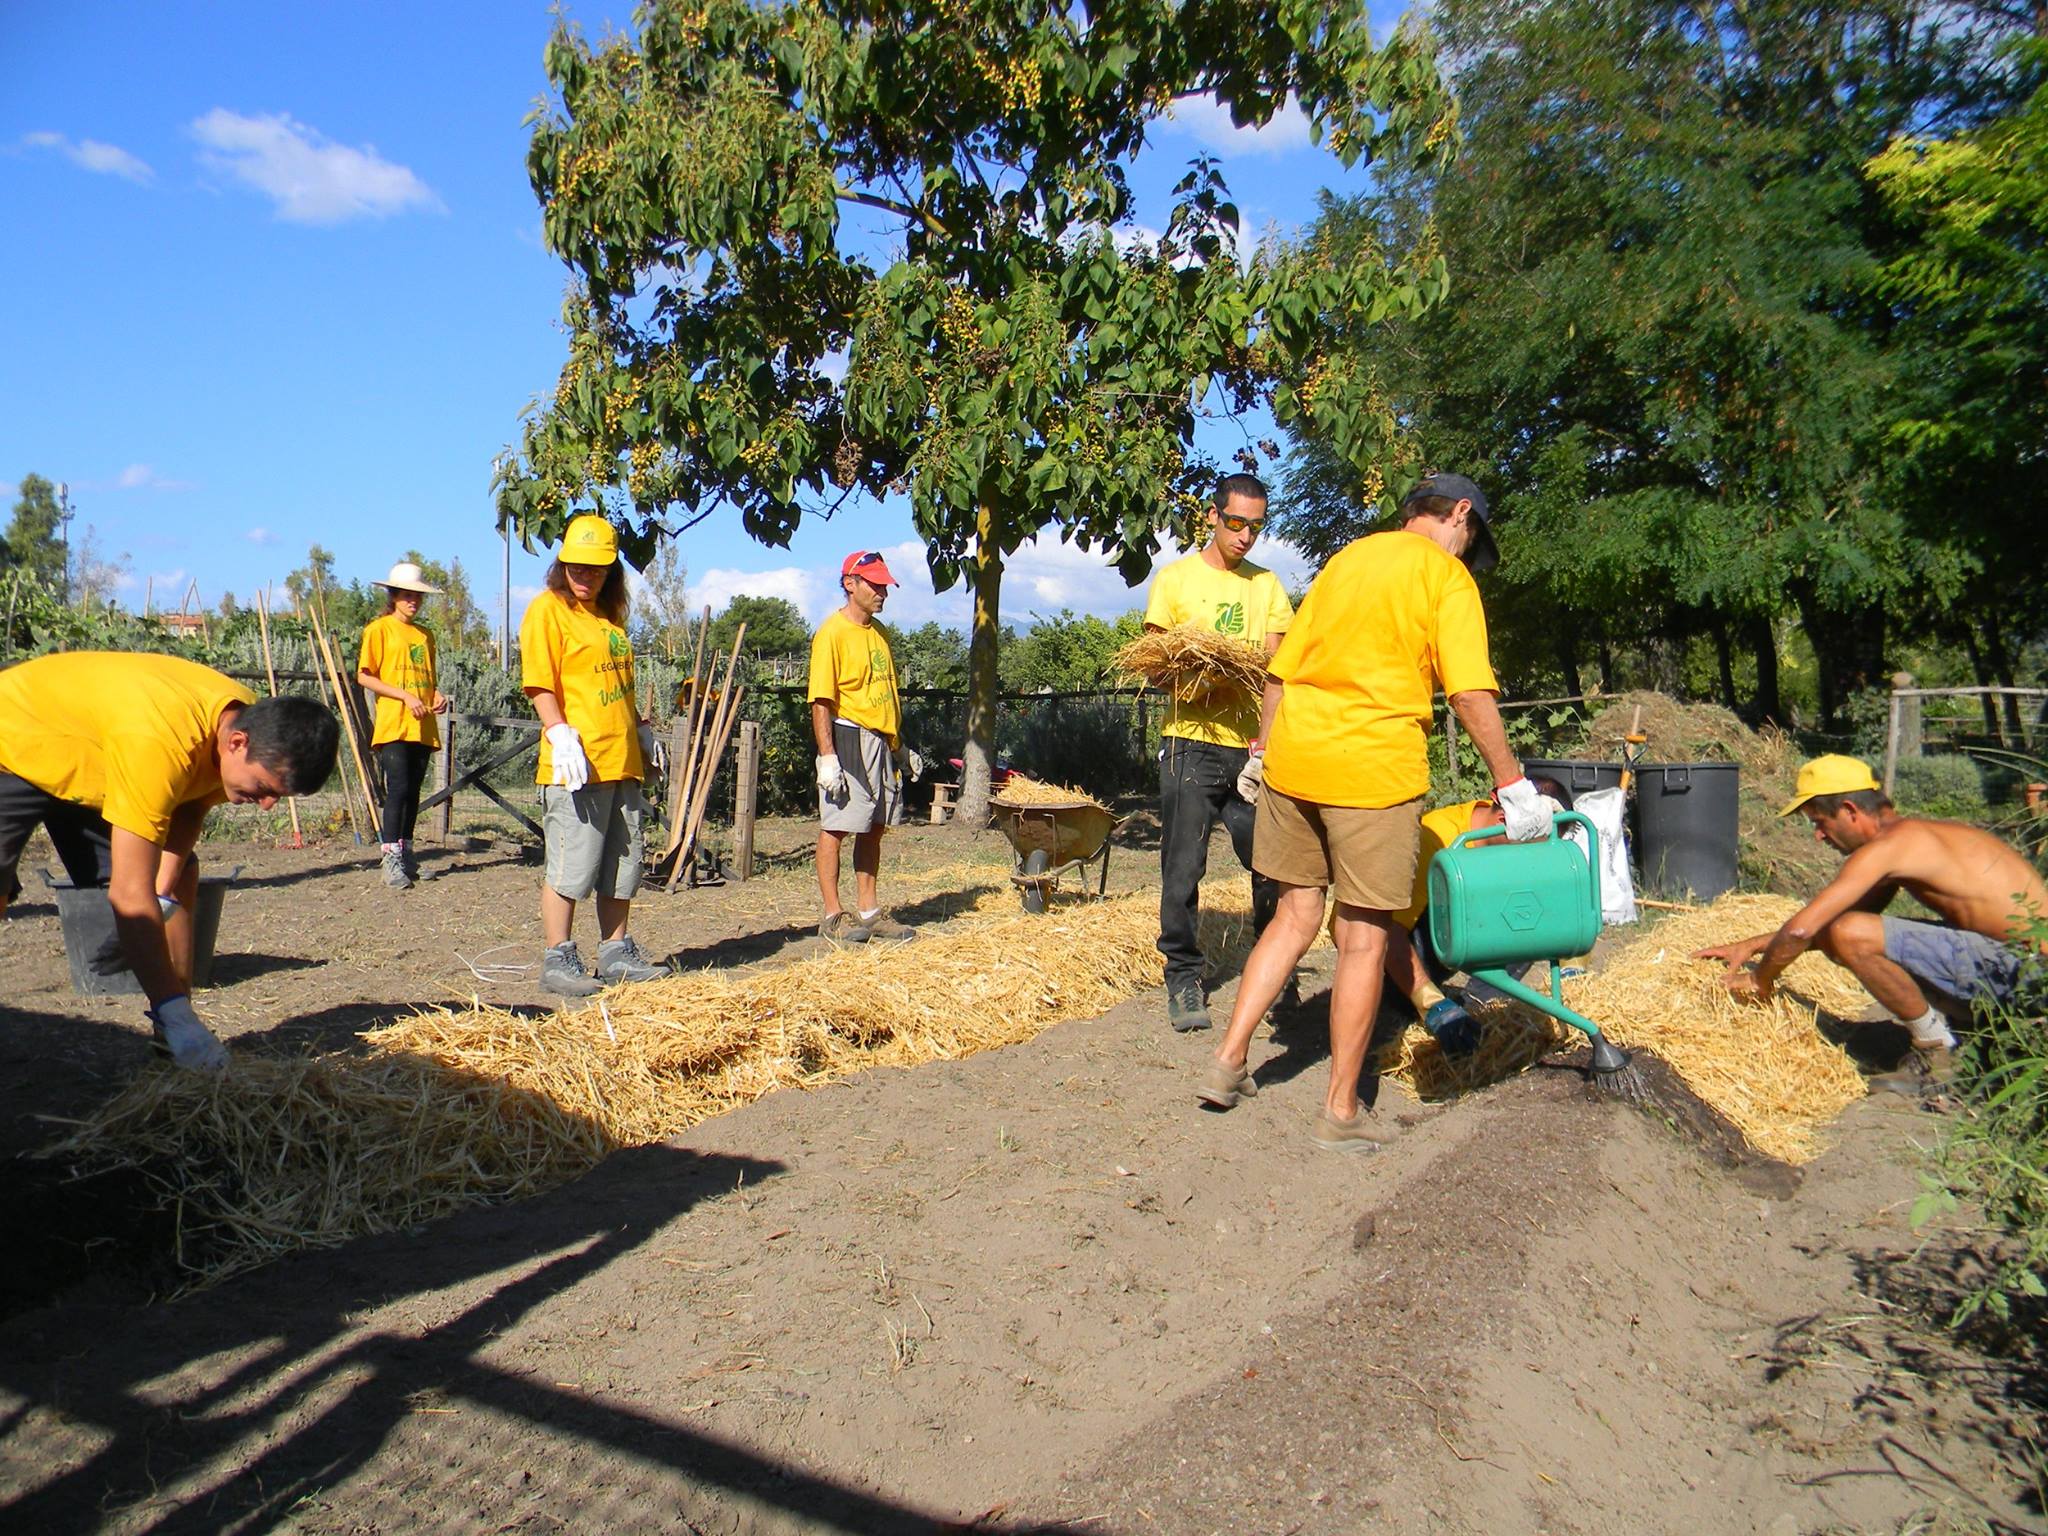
(913, 765)
(831, 777)
(572, 768)
(1252, 777)
(190, 1042)
(1524, 812)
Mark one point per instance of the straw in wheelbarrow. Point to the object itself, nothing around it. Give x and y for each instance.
(1189, 662)
(1030, 792)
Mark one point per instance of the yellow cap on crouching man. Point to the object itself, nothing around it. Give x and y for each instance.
(1833, 774)
(590, 540)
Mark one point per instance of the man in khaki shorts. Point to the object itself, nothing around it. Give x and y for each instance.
(1340, 767)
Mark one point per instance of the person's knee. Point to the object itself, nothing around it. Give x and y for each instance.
(1852, 937)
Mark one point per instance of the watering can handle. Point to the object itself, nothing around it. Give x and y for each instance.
(1557, 824)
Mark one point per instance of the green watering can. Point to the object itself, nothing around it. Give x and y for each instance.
(1512, 903)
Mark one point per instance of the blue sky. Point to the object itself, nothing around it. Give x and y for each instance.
(275, 278)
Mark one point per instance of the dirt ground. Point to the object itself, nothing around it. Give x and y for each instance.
(1035, 1290)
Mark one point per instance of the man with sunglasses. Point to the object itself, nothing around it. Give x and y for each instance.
(1205, 740)
(856, 719)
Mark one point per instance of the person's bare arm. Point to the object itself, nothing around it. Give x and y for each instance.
(139, 919)
(548, 705)
(1269, 706)
(1865, 870)
(821, 726)
(1479, 712)
(412, 701)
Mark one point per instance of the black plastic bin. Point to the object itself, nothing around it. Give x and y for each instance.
(1576, 776)
(1687, 828)
(91, 944)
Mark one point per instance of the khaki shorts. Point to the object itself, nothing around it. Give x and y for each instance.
(1363, 857)
(594, 838)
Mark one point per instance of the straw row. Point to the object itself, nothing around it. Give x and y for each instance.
(1190, 662)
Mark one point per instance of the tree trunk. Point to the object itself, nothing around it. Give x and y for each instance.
(1606, 655)
(1764, 641)
(2007, 677)
(1566, 643)
(1987, 702)
(1849, 647)
(977, 759)
(1724, 662)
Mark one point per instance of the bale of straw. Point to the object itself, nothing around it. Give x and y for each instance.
(1193, 663)
(1769, 1070)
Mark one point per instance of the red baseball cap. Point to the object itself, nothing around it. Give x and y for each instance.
(867, 564)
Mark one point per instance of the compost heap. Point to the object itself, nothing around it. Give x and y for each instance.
(1769, 1070)
(1776, 853)
(459, 1107)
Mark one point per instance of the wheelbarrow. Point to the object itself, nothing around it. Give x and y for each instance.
(1053, 840)
(1506, 904)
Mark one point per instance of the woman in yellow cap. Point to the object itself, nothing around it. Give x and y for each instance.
(576, 664)
(397, 665)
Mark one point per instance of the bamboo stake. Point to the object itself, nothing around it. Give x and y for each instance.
(355, 746)
(727, 718)
(270, 671)
(703, 765)
(683, 772)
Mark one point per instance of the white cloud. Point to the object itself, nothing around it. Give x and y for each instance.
(260, 536)
(308, 178)
(811, 591)
(93, 155)
(1207, 119)
(9, 490)
(143, 477)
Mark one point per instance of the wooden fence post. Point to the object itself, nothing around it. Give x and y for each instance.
(446, 776)
(1902, 730)
(746, 784)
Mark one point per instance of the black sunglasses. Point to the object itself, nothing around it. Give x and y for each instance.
(1238, 524)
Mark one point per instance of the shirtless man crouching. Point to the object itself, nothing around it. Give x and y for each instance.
(1988, 897)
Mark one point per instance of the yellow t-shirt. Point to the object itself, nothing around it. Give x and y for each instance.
(1391, 618)
(402, 655)
(1440, 828)
(586, 661)
(1247, 604)
(853, 671)
(131, 736)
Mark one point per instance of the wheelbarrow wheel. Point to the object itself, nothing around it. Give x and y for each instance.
(1035, 863)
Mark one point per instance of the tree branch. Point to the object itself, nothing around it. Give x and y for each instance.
(890, 205)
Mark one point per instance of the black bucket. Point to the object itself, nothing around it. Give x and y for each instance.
(1576, 776)
(93, 946)
(1687, 820)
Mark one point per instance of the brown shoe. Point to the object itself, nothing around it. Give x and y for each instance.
(843, 928)
(1353, 1135)
(1223, 1085)
(884, 929)
(1925, 1073)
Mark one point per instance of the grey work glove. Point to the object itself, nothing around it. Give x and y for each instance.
(1525, 813)
(831, 777)
(190, 1042)
(1252, 777)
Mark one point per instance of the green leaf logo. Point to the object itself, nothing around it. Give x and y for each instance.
(1230, 618)
(617, 641)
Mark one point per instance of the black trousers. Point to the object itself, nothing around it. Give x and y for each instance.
(84, 841)
(1197, 788)
(405, 771)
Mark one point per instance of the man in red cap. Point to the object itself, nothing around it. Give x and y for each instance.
(857, 720)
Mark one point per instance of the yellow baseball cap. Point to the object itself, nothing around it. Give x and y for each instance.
(590, 540)
(1833, 774)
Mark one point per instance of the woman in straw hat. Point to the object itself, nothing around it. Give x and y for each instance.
(576, 664)
(397, 665)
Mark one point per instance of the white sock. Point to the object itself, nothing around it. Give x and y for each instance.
(1930, 1031)
(869, 914)
(394, 847)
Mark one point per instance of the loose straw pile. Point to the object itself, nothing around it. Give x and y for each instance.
(459, 1107)
(1768, 1070)
(1018, 790)
(1190, 662)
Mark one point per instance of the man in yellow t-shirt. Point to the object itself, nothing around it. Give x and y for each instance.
(1205, 741)
(1341, 764)
(119, 757)
(857, 721)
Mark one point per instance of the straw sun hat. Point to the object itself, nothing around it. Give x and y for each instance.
(405, 577)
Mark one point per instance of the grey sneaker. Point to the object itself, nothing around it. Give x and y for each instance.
(1454, 1030)
(882, 928)
(1353, 1135)
(1224, 1085)
(1185, 1008)
(396, 875)
(843, 928)
(620, 960)
(562, 973)
(1925, 1073)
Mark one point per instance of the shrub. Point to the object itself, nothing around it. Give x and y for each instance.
(1946, 785)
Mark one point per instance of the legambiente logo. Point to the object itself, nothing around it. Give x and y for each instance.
(617, 641)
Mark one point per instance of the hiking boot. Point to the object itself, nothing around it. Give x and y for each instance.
(1353, 1135)
(1454, 1030)
(412, 865)
(620, 960)
(843, 928)
(562, 973)
(1185, 1008)
(395, 873)
(1224, 1085)
(1925, 1073)
(884, 929)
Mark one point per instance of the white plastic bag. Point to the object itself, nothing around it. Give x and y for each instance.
(1607, 810)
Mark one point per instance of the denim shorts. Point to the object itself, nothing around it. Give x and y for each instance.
(1963, 964)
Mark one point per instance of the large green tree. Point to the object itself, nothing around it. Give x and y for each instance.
(1010, 364)
(33, 541)
(775, 628)
(1680, 377)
